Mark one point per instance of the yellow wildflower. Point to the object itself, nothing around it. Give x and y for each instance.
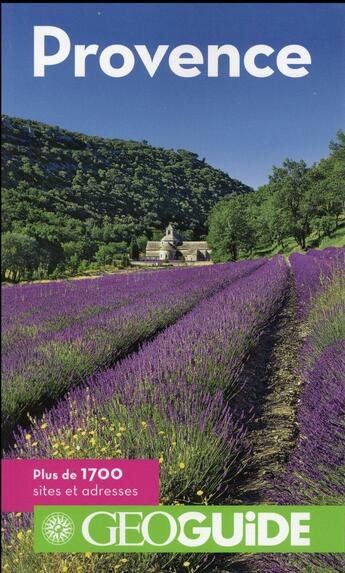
(20, 535)
(92, 441)
(28, 436)
(182, 465)
(45, 425)
(199, 492)
(118, 435)
(122, 428)
(186, 564)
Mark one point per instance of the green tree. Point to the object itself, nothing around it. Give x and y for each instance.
(231, 229)
(108, 254)
(290, 187)
(19, 256)
(134, 250)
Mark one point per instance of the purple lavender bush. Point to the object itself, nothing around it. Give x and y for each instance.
(312, 273)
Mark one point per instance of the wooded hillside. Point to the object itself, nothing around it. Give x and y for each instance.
(77, 198)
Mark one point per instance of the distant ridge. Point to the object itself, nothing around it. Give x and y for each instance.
(65, 188)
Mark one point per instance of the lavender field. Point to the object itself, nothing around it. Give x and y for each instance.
(168, 365)
(54, 335)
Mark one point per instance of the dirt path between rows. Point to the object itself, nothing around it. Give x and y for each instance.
(273, 384)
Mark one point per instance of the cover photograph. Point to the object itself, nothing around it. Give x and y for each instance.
(173, 287)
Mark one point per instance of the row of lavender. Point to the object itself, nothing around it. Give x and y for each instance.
(31, 307)
(312, 273)
(172, 401)
(316, 470)
(58, 341)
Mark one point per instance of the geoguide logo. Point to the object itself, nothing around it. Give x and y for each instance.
(189, 529)
(58, 528)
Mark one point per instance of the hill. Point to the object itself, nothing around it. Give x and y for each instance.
(82, 198)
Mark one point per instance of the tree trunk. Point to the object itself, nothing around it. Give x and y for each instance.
(234, 253)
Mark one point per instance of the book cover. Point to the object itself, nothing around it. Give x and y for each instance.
(173, 287)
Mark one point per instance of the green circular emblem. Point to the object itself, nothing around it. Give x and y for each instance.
(57, 528)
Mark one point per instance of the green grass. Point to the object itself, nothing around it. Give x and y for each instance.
(337, 239)
(326, 320)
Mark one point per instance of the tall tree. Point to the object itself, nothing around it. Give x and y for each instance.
(231, 229)
(290, 187)
(134, 251)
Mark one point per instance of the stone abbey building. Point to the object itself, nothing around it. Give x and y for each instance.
(173, 248)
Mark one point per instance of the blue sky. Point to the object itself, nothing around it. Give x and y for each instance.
(241, 125)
